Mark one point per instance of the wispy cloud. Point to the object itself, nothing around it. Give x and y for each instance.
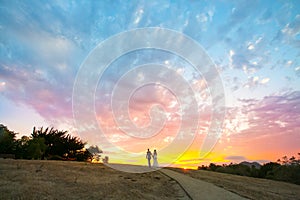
(254, 44)
(236, 158)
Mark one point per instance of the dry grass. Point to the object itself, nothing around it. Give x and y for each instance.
(252, 188)
(29, 179)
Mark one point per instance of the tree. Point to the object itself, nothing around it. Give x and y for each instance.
(53, 140)
(22, 147)
(37, 148)
(95, 151)
(213, 167)
(268, 170)
(60, 145)
(7, 140)
(285, 160)
(43, 143)
(72, 145)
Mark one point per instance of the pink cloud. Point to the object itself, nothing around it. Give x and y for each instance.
(30, 87)
(273, 127)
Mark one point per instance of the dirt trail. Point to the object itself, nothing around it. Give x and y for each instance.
(198, 189)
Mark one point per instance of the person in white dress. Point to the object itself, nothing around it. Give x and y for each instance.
(155, 163)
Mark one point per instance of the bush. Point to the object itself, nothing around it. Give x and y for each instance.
(7, 140)
(267, 170)
(213, 167)
(237, 169)
(288, 173)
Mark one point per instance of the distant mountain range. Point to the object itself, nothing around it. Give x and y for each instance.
(250, 164)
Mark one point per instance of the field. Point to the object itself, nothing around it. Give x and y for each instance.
(35, 179)
(252, 188)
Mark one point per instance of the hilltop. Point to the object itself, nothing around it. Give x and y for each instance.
(84, 180)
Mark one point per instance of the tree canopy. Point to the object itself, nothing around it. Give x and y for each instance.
(48, 143)
(285, 169)
(7, 140)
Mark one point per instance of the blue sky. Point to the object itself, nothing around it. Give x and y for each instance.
(254, 44)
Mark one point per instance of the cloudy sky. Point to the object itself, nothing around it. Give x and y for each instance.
(255, 46)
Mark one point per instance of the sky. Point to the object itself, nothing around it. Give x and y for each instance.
(46, 76)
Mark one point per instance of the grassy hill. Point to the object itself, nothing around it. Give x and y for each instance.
(40, 179)
(36, 179)
(252, 188)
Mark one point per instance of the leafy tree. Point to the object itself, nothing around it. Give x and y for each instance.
(288, 173)
(95, 152)
(60, 145)
(82, 155)
(254, 171)
(95, 149)
(72, 145)
(268, 169)
(285, 160)
(53, 140)
(285, 169)
(202, 167)
(7, 140)
(22, 147)
(213, 167)
(238, 169)
(36, 148)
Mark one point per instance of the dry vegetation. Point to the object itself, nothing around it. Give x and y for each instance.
(252, 188)
(33, 179)
(36, 179)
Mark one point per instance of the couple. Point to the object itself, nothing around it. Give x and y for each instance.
(149, 155)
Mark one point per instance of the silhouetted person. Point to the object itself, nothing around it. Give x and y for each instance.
(148, 156)
(155, 163)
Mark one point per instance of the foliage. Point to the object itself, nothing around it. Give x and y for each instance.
(203, 167)
(43, 143)
(288, 173)
(36, 148)
(237, 169)
(95, 151)
(267, 170)
(60, 144)
(287, 169)
(22, 148)
(213, 167)
(7, 140)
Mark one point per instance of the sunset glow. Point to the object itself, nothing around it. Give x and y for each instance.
(255, 46)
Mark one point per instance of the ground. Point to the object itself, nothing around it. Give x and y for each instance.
(32, 179)
(252, 188)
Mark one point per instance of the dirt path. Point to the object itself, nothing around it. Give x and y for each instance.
(198, 189)
(248, 187)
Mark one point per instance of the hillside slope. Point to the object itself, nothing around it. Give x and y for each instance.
(252, 188)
